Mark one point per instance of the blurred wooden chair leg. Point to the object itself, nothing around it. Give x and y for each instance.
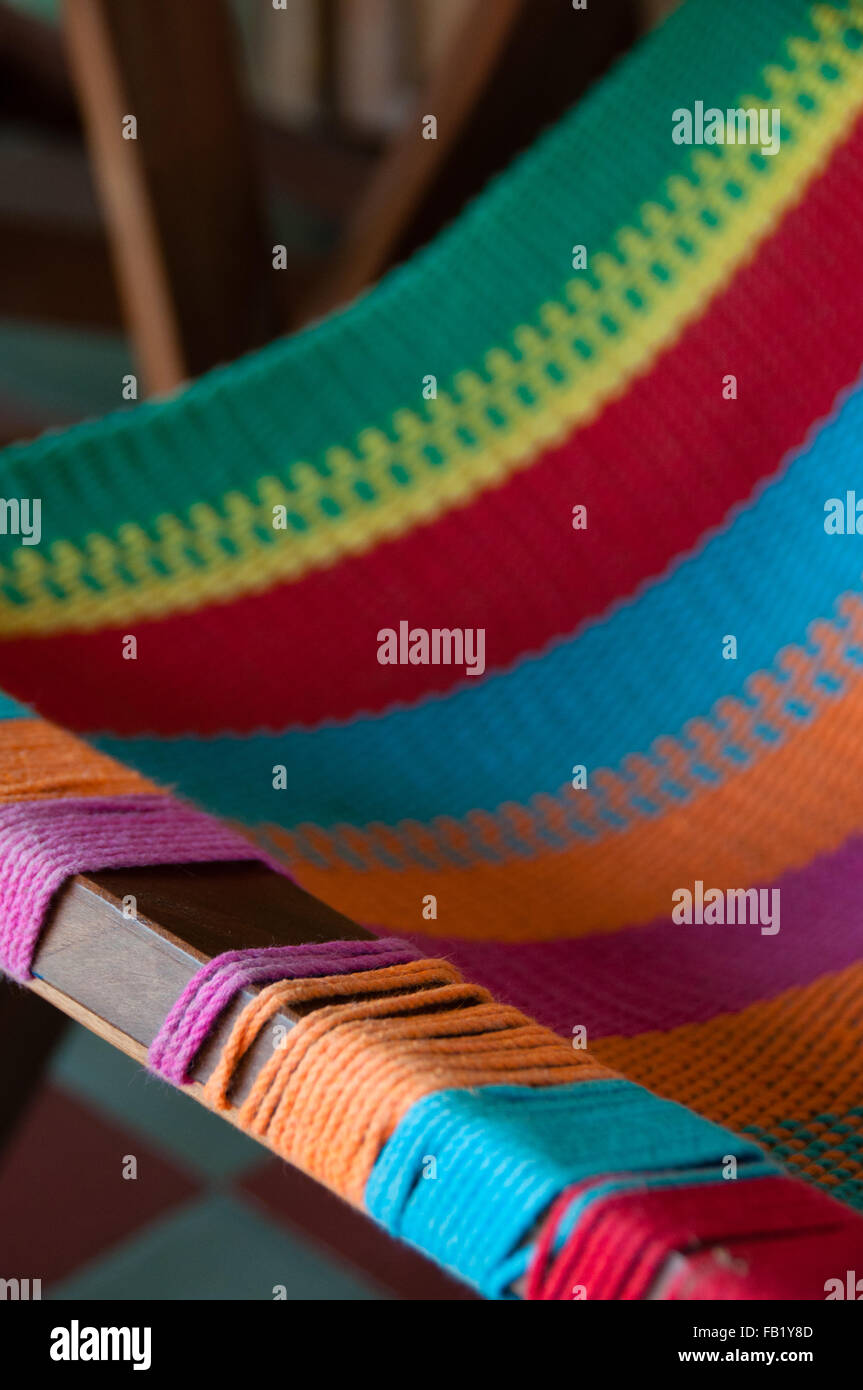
(180, 190)
(510, 70)
(29, 1032)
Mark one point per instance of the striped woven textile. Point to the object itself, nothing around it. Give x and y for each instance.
(517, 611)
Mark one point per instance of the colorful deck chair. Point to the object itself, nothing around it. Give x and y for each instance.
(516, 611)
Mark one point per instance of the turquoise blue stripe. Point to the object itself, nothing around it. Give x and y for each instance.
(502, 1154)
(10, 709)
(517, 1265)
(644, 670)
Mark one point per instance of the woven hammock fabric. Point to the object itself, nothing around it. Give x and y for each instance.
(669, 695)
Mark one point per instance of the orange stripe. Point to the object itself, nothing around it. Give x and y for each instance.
(38, 761)
(771, 697)
(787, 1059)
(331, 1096)
(802, 797)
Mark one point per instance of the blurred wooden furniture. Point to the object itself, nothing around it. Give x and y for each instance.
(119, 977)
(509, 70)
(186, 226)
(184, 207)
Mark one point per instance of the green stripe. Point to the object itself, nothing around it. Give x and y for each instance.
(440, 313)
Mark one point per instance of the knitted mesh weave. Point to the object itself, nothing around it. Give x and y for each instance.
(669, 604)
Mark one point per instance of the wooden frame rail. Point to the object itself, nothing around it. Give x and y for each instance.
(119, 975)
(195, 280)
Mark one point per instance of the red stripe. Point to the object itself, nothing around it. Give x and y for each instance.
(622, 1243)
(661, 465)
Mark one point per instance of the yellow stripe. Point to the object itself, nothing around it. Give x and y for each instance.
(743, 220)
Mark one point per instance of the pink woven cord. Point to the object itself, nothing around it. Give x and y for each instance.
(214, 986)
(43, 843)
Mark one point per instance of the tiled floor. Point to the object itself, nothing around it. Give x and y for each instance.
(205, 1217)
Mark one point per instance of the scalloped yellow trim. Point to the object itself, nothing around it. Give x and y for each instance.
(696, 260)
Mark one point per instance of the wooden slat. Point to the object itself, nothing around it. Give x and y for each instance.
(510, 70)
(125, 973)
(181, 201)
(55, 259)
(282, 44)
(119, 977)
(436, 20)
(377, 52)
(406, 172)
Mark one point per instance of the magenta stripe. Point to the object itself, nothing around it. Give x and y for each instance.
(43, 843)
(213, 987)
(663, 975)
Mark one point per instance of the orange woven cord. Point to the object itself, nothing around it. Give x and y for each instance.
(333, 1093)
(788, 1066)
(334, 1115)
(285, 993)
(268, 1090)
(39, 761)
